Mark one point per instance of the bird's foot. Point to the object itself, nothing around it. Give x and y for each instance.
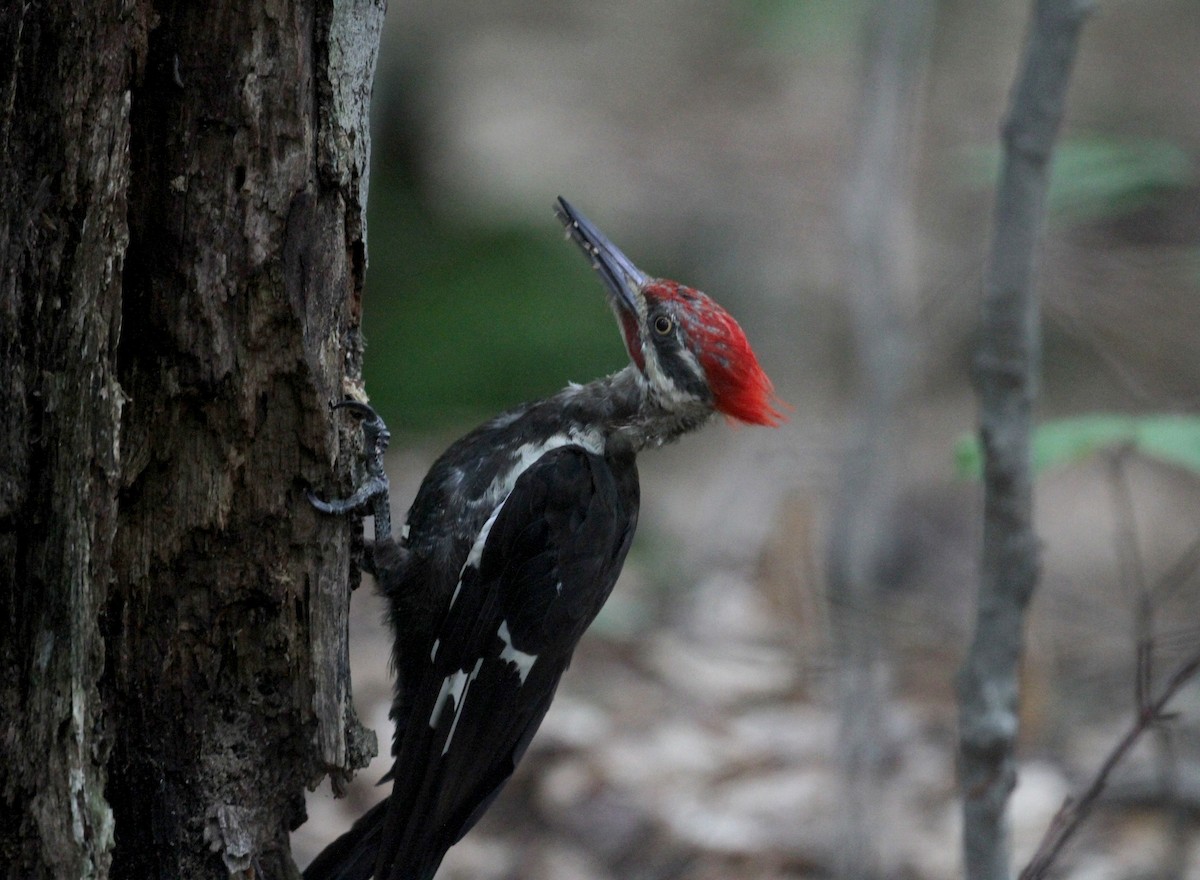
(372, 496)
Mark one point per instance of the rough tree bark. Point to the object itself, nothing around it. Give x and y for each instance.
(1006, 372)
(182, 250)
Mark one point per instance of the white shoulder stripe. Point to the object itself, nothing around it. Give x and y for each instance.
(502, 486)
(525, 455)
(476, 553)
(456, 685)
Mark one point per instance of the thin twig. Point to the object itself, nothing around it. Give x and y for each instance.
(1133, 576)
(1074, 810)
(1179, 573)
(1146, 644)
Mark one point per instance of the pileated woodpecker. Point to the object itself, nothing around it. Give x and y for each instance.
(512, 545)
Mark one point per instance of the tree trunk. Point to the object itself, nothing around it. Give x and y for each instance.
(182, 249)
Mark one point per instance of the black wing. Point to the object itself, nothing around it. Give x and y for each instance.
(528, 591)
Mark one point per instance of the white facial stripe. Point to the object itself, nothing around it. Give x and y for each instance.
(693, 364)
(661, 384)
(654, 371)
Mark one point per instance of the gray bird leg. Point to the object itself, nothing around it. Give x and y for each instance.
(371, 497)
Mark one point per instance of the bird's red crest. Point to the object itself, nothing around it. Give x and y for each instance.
(740, 388)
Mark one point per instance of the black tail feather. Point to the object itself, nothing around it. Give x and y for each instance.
(353, 855)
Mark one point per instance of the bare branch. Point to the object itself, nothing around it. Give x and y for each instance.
(1005, 375)
(1075, 810)
(1132, 575)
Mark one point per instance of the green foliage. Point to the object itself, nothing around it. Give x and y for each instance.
(1170, 438)
(809, 26)
(464, 322)
(1096, 177)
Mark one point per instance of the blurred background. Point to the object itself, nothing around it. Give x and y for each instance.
(769, 693)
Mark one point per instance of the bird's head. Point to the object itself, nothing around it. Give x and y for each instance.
(689, 350)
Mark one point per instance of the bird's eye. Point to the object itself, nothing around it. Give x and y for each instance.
(663, 325)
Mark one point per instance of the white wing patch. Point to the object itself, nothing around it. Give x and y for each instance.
(522, 661)
(454, 686)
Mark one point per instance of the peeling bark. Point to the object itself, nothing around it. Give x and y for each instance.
(182, 249)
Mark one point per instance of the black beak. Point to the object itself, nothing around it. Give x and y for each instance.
(623, 279)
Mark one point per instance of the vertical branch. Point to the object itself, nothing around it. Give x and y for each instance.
(895, 48)
(1006, 380)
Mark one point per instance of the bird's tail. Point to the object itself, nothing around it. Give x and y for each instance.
(353, 855)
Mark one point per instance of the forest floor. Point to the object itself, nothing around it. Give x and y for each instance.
(697, 732)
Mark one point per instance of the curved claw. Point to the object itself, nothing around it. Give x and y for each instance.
(368, 492)
(372, 496)
(376, 435)
(357, 406)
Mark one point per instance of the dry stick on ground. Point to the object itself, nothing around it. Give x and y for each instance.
(1005, 377)
(1074, 811)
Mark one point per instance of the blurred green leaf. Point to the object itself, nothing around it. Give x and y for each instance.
(462, 322)
(804, 25)
(1095, 177)
(1174, 439)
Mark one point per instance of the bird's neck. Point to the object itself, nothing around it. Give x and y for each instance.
(625, 409)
